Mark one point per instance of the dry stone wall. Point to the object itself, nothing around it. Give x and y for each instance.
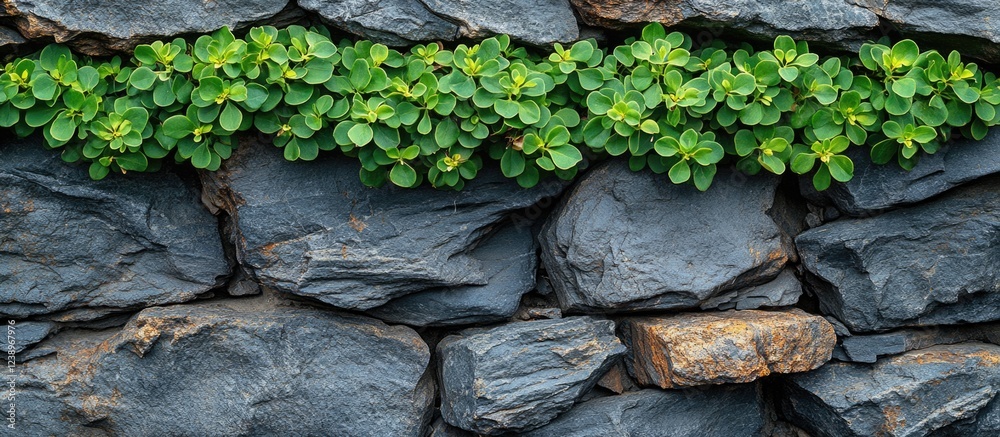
(285, 298)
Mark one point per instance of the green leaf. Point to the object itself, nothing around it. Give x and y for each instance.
(566, 156)
(446, 133)
(904, 87)
(98, 171)
(361, 134)
(403, 175)
(202, 156)
(803, 162)
(512, 163)
(789, 74)
(841, 168)
(703, 177)
(142, 78)
(231, 117)
(178, 126)
(680, 172)
(132, 162)
(883, 151)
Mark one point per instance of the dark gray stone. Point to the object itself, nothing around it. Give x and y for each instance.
(127, 242)
(28, 333)
(934, 391)
(535, 22)
(509, 260)
(622, 240)
(394, 22)
(930, 264)
(519, 376)
(782, 291)
(723, 411)
(821, 20)
(868, 348)
(969, 25)
(9, 39)
(101, 27)
(312, 228)
(243, 369)
(877, 188)
(440, 428)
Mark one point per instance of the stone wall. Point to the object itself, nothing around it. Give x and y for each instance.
(279, 298)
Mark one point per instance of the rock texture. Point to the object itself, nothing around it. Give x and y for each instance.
(28, 333)
(868, 348)
(98, 28)
(509, 260)
(783, 291)
(213, 370)
(942, 390)
(877, 188)
(535, 22)
(969, 24)
(519, 376)
(395, 22)
(935, 263)
(728, 347)
(69, 243)
(312, 228)
(727, 411)
(622, 240)
(823, 20)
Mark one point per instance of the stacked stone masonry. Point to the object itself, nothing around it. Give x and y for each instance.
(280, 298)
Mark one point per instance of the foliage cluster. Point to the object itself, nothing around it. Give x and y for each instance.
(434, 114)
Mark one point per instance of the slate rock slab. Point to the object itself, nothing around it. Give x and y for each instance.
(878, 188)
(27, 334)
(312, 228)
(623, 240)
(941, 390)
(823, 20)
(519, 376)
(540, 22)
(868, 348)
(783, 291)
(213, 370)
(509, 258)
(393, 22)
(724, 411)
(694, 349)
(931, 264)
(103, 27)
(127, 242)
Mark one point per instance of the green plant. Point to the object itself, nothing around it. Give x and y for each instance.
(436, 115)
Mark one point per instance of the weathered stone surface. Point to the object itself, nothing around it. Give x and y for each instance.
(312, 228)
(618, 380)
(536, 22)
(519, 376)
(27, 334)
(782, 291)
(9, 39)
(726, 347)
(252, 370)
(942, 390)
(440, 428)
(67, 242)
(930, 264)
(877, 188)
(509, 261)
(622, 240)
(946, 21)
(822, 20)
(868, 348)
(118, 25)
(395, 22)
(726, 411)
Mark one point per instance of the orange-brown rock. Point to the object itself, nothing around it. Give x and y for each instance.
(725, 347)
